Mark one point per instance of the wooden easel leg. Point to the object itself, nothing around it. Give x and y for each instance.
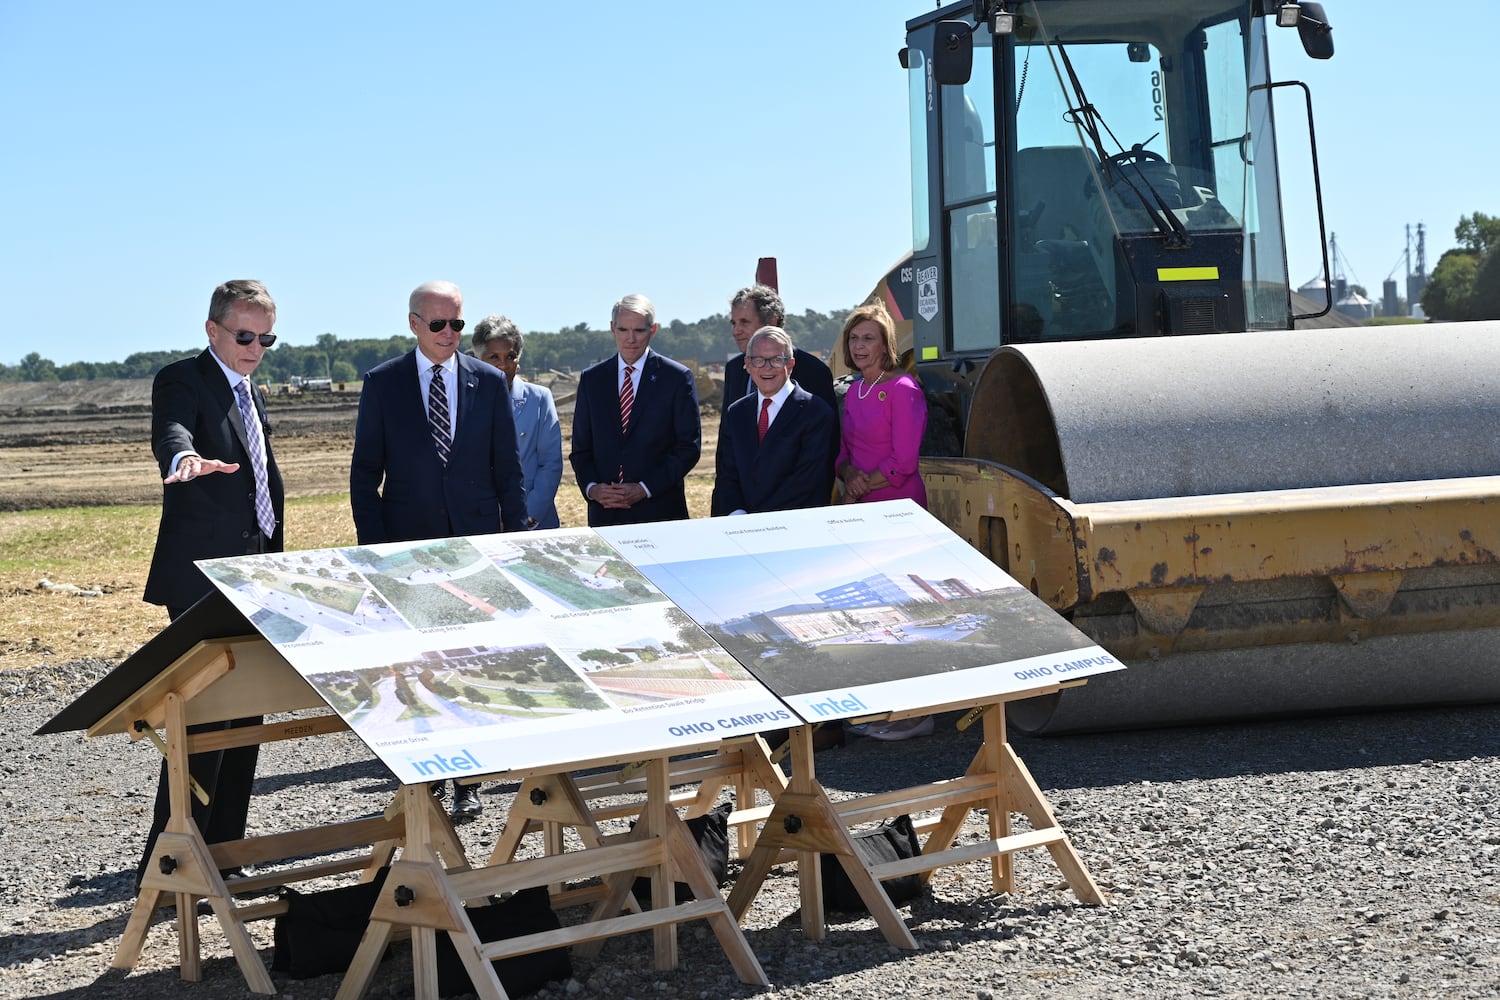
(805, 821)
(654, 818)
(995, 751)
(418, 896)
(133, 941)
(724, 926)
(245, 955)
(1027, 799)
(194, 876)
(987, 761)
(361, 971)
(752, 875)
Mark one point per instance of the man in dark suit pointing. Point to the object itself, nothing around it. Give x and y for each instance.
(636, 433)
(221, 496)
(775, 445)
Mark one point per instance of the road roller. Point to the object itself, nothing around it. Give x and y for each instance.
(1259, 510)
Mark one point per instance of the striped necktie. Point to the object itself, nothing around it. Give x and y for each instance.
(627, 399)
(265, 514)
(437, 414)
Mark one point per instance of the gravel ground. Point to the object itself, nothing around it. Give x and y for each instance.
(1341, 857)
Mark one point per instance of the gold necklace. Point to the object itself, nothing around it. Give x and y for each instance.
(864, 390)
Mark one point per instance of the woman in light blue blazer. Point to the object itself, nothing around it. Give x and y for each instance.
(499, 341)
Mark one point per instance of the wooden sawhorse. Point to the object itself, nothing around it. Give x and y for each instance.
(421, 897)
(218, 680)
(805, 821)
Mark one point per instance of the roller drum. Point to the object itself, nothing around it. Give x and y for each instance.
(1192, 416)
(1184, 417)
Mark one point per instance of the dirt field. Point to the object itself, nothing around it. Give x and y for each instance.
(86, 445)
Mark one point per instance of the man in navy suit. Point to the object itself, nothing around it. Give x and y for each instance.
(636, 433)
(775, 445)
(435, 448)
(403, 483)
(222, 496)
(751, 309)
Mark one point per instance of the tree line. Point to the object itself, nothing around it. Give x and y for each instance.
(1465, 284)
(569, 349)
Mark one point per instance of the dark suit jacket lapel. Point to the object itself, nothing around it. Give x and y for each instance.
(468, 387)
(409, 390)
(218, 386)
(786, 417)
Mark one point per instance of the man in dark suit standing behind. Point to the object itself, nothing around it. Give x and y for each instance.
(221, 496)
(751, 309)
(434, 441)
(636, 433)
(435, 448)
(774, 445)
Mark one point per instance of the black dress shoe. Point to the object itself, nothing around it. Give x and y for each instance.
(466, 804)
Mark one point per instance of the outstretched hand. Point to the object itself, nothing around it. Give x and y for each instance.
(194, 466)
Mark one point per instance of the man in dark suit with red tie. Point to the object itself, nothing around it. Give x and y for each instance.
(636, 433)
(775, 445)
(435, 447)
(221, 496)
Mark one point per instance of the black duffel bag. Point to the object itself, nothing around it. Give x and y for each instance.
(890, 841)
(320, 931)
(711, 833)
(526, 912)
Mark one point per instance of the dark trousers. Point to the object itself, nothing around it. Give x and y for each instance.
(227, 776)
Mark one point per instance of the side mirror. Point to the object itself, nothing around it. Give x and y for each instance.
(1316, 32)
(953, 53)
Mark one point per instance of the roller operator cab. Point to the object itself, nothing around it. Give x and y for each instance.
(1090, 169)
(1126, 415)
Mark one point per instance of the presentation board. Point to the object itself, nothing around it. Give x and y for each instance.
(860, 609)
(465, 656)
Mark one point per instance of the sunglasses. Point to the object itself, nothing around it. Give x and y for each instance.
(243, 337)
(436, 325)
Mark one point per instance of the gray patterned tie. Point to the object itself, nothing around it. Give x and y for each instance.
(265, 515)
(437, 414)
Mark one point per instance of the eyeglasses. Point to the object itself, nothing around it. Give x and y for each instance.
(244, 337)
(436, 325)
(775, 361)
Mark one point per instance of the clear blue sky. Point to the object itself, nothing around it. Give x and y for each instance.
(551, 158)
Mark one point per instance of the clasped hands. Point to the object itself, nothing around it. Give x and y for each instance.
(858, 483)
(617, 496)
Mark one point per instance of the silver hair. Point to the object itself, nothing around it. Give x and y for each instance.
(496, 328)
(441, 289)
(775, 333)
(638, 304)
